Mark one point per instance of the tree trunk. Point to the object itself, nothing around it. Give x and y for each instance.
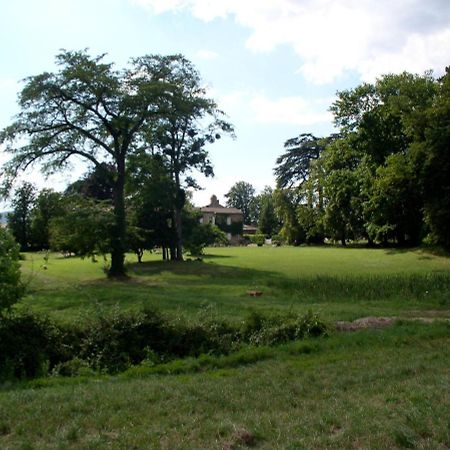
(178, 235)
(118, 238)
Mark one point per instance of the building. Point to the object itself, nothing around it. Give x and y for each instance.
(229, 220)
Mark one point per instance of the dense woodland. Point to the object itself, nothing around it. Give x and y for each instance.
(383, 178)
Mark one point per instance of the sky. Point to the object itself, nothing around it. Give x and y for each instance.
(274, 66)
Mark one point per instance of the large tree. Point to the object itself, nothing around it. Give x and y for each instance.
(87, 109)
(191, 122)
(294, 165)
(242, 196)
(434, 154)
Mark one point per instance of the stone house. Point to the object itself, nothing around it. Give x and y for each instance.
(229, 220)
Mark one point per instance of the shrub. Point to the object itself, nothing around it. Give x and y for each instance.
(11, 288)
(259, 330)
(257, 239)
(29, 346)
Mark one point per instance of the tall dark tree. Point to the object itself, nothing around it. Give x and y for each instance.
(242, 196)
(293, 166)
(97, 183)
(150, 190)
(86, 109)
(435, 174)
(191, 122)
(268, 222)
(19, 220)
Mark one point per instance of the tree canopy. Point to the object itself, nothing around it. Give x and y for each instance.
(384, 177)
(90, 109)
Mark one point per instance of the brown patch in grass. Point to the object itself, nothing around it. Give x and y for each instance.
(254, 293)
(381, 322)
(240, 438)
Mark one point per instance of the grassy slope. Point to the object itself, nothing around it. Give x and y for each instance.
(369, 389)
(352, 283)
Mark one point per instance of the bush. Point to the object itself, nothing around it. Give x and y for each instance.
(11, 288)
(257, 239)
(29, 346)
(260, 330)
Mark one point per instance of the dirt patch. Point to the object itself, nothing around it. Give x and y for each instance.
(382, 322)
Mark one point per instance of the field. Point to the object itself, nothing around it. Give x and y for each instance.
(371, 388)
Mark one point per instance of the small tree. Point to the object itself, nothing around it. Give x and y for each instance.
(48, 205)
(11, 288)
(19, 221)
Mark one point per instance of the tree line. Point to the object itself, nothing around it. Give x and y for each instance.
(383, 177)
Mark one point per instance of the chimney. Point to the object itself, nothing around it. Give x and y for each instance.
(214, 202)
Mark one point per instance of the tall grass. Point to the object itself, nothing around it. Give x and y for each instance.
(409, 286)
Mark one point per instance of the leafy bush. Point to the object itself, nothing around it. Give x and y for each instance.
(31, 346)
(257, 239)
(260, 330)
(11, 288)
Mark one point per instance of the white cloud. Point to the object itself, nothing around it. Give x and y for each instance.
(290, 110)
(330, 37)
(257, 107)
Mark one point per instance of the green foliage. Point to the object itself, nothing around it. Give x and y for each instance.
(47, 206)
(293, 167)
(436, 166)
(88, 109)
(19, 220)
(394, 208)
(261, 330)
(31, 346)
(98, 183)
(257, 238)
(84, 229)
(11, 287)
(383, 178)
(268, 221)
(242, 196)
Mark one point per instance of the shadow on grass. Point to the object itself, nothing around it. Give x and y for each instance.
(202, 272)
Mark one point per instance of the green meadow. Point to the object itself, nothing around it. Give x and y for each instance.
(375, 388)
(337, 283)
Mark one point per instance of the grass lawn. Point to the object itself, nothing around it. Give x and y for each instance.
(369, 389)
(339, 284)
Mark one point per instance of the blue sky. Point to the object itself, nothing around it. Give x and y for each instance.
(273, 66)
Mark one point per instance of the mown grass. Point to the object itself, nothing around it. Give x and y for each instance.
(369, 389)
(340, 284)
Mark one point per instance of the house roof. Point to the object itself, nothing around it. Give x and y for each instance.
(216, 208)
(220, 210)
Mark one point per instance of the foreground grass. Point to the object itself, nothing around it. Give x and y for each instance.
(370, 389)
(337, 283)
